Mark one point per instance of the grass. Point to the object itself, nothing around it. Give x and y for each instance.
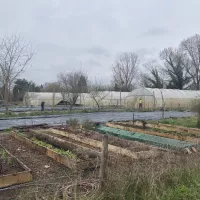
(170, 184)
(46, 113)
(190, 122)
(40, 113)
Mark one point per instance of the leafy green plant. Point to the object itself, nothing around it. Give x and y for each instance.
(60, 151)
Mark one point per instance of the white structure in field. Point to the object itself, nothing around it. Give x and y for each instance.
(157, 98)
(50, 99)
(152, 98)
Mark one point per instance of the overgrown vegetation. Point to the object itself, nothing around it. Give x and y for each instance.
(60, 151)
(73, 123)
(170, 184)
(190, 122)
(4, 159)
(87, 124)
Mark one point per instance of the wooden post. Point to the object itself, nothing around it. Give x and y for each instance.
(104, 157)
(53, 98)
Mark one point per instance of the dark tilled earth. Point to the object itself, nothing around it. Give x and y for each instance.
(48, 175)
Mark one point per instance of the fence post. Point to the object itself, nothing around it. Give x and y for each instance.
(104, 157)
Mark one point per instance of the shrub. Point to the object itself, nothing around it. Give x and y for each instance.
(74, 123)
(87, 124)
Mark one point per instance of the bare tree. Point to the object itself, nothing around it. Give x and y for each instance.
(191, 46)
(69, 84)
(51, 87)
(97, 91)
(28, 97)
(125, 70)
(15, 56)
(175, 68)
(153, 78)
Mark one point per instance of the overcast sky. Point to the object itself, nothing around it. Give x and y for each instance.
(88, 34)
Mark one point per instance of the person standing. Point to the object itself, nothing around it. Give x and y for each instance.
(140, 104)
(42, 106)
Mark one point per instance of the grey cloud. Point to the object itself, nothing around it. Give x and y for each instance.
(154, 32)
(93, 63)
(93, 32)
(55, 49)
(144, 52)
(99, 51)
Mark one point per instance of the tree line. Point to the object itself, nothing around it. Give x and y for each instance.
(180, 68)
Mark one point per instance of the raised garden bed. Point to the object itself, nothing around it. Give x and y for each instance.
(148, 139)
(155, 131)
(167, 127)
(68, 154)
(12, 170)
(93, 140)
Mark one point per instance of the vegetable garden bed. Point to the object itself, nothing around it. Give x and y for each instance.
(167, 127)
(156, 131)
(12, 170)
(92, 140)
(68, 154)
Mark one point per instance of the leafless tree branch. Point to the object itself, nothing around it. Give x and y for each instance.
(15, 56)
(125, 70)
(97, 91)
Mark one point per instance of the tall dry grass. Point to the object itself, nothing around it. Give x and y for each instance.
(169, 177)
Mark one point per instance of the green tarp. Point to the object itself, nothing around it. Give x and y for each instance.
(150, 139)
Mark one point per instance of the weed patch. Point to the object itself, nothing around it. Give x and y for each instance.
(190, 122)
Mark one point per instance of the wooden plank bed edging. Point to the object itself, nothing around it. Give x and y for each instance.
(15, 178)
(111, 148)
(156, 133)
(167, 127)
(70, 163)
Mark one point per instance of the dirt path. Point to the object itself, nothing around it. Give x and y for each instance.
(48, 175)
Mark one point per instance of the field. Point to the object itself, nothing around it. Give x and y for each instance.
(65, 162)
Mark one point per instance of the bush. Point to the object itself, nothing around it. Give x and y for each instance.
(87, 124)
(74, 123)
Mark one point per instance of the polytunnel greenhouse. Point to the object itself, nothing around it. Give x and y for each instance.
(110, 98)
(35, 98)
(154, 98)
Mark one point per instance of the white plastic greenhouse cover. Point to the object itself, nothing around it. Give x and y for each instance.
(48, 95)
(167, 93)
(36, 98)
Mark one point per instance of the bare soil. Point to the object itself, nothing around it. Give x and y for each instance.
(81, 153)
(92, 134)
(9, 165)
(130, 145)
(48, 175)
